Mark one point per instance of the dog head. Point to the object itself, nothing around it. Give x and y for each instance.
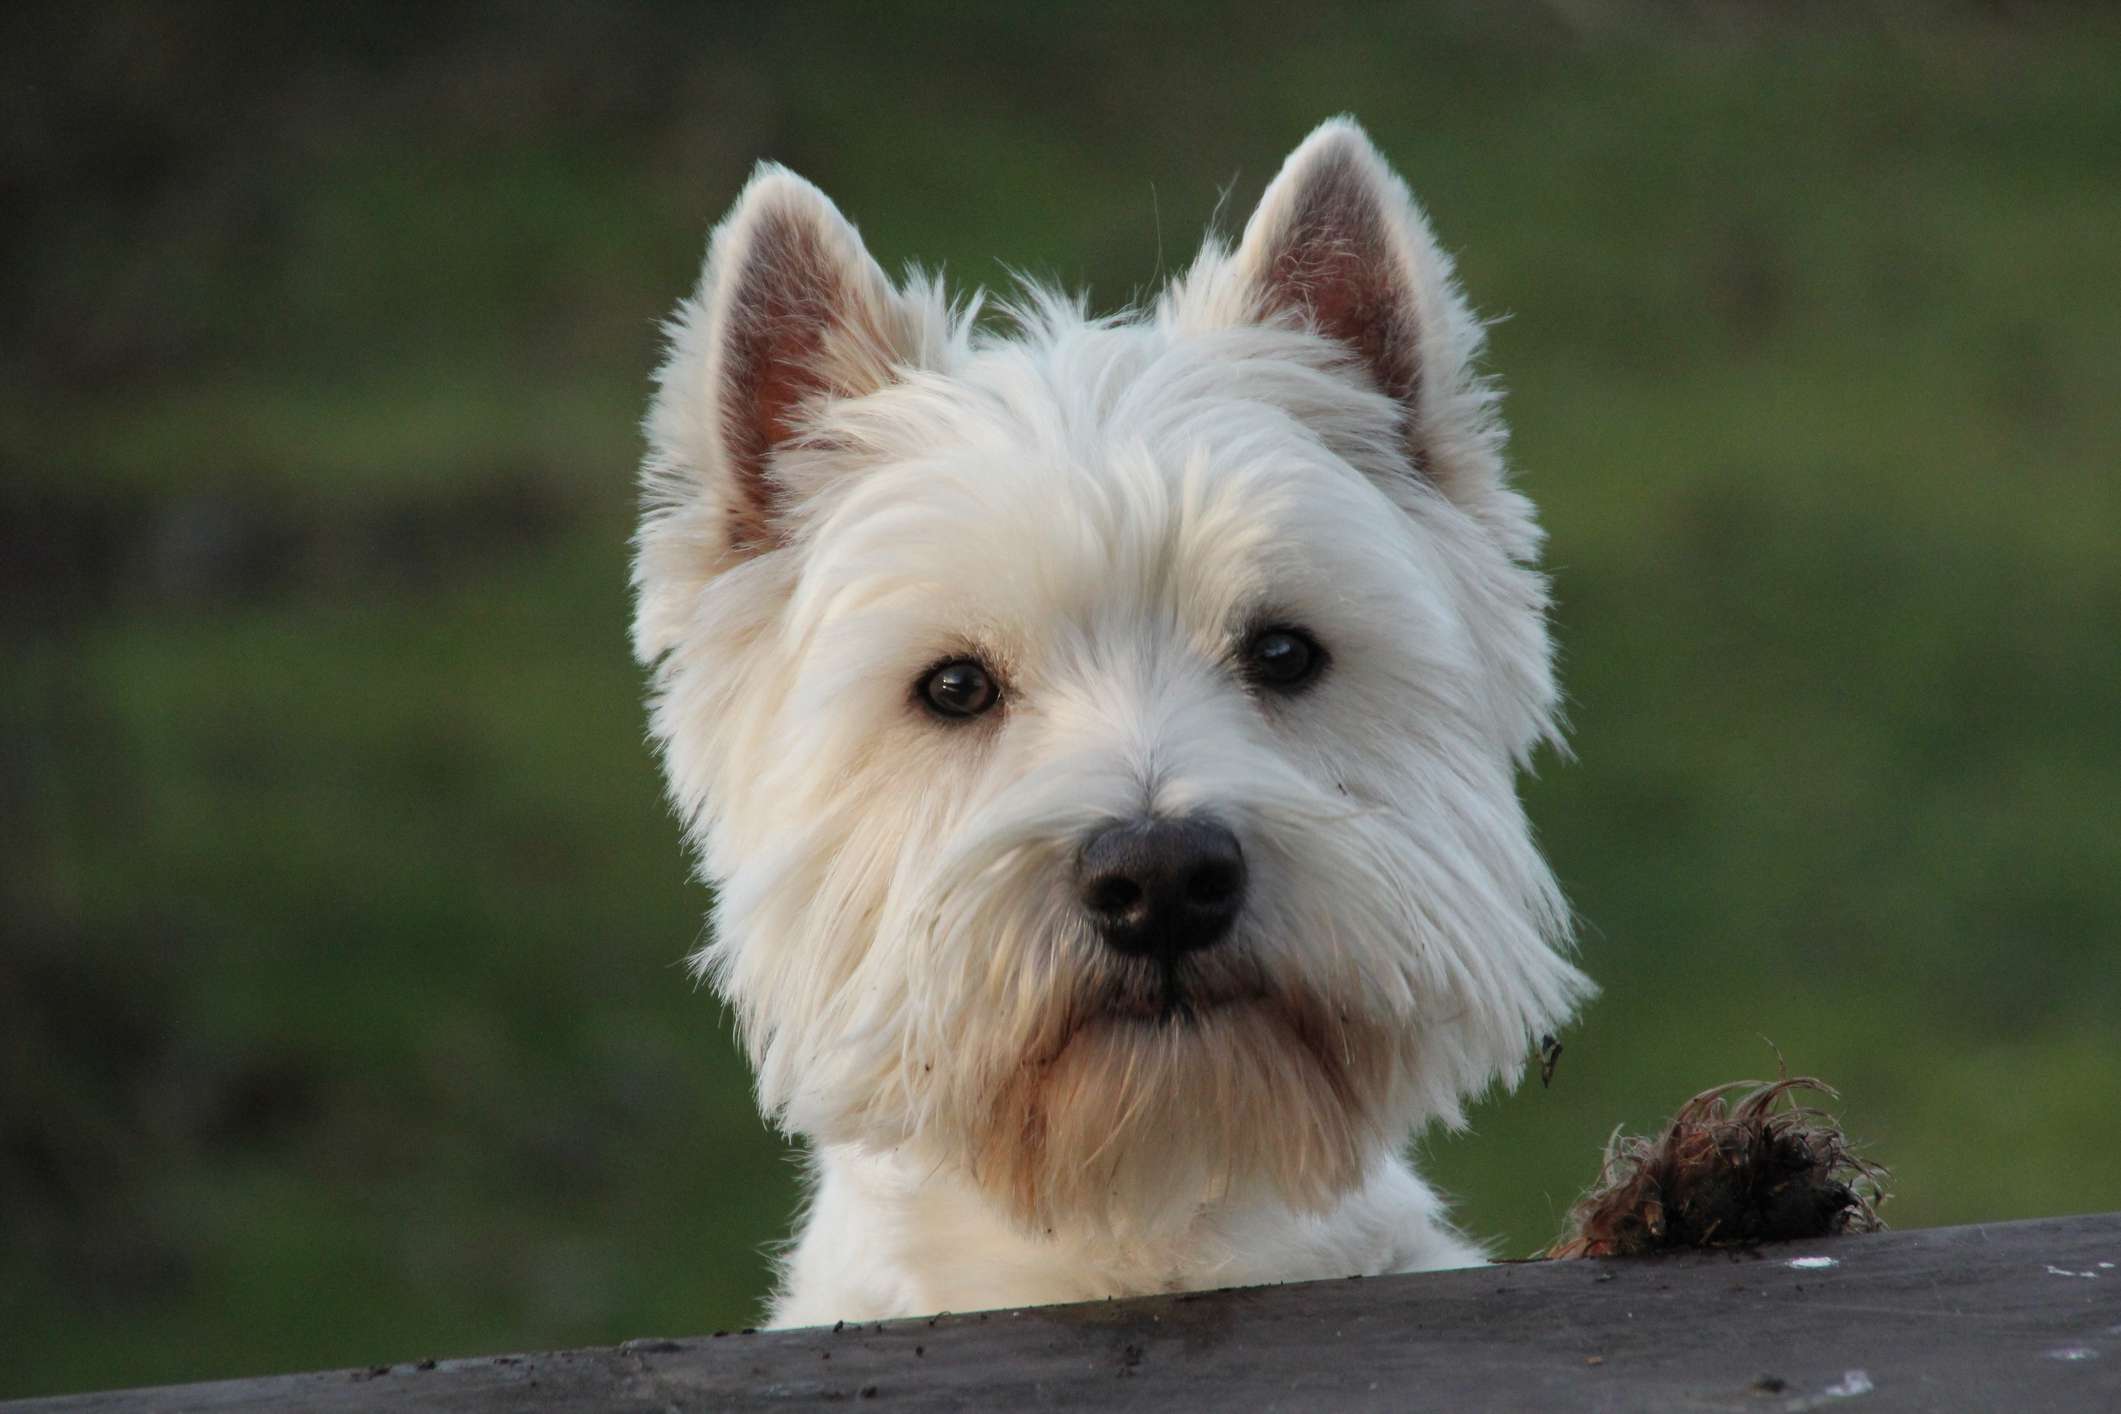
(1101, 733)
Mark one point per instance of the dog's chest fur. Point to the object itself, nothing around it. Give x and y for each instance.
(927, 1243)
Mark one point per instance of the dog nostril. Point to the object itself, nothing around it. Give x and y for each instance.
(1215, 883)
(1113, 895)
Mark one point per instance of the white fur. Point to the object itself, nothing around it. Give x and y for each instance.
(1098, 508)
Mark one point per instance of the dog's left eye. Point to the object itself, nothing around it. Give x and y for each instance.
(1283, 659)
(959, 688)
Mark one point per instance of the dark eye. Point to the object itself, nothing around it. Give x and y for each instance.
(958, 688)
(1283, 659)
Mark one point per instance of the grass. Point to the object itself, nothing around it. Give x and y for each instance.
(341, 986)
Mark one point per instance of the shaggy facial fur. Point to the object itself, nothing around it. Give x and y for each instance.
(1108, 525)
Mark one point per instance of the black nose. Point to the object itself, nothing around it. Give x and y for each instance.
(1162, 888)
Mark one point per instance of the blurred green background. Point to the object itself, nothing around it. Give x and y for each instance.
(341, 1011)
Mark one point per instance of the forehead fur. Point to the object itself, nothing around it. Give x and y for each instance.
(1083, 455)
(1076, 384)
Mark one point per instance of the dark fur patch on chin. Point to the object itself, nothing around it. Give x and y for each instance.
(1120, 1107)
(1152, 993)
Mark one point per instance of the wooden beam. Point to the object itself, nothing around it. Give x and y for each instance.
(2019, 1316)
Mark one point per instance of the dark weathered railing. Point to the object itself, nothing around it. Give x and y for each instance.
(2006, 1316)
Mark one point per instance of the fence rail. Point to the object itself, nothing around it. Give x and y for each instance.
(2018, 1315)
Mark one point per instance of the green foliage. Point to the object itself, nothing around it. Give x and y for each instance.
(341, 990)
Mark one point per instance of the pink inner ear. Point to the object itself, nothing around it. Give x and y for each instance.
(785, 303)
(1335, 264)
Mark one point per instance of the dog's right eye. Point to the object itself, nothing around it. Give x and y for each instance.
(959, 688)
(1282, 660)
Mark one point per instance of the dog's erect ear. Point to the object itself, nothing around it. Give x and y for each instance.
(1339, 245)
(791, 312)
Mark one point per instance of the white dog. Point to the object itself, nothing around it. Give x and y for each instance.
(1101, 735)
